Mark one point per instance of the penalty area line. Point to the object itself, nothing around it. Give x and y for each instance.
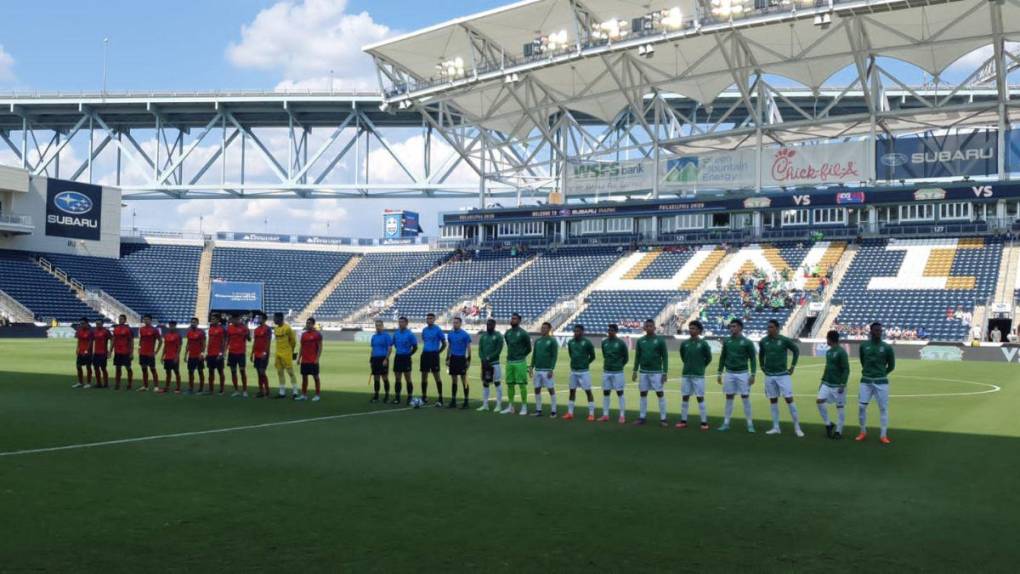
(198, 433)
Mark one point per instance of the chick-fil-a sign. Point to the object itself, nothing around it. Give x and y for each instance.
(797, 166)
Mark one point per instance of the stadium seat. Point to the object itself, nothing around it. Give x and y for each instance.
(40, 292)
(376, 277)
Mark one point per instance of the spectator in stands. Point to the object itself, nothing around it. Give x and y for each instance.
(996, 334)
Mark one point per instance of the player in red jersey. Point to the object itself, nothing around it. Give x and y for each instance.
(172, 356)
(196, 357)
(214, 352)
(260, 353)
(311, 350)
(123, 351)
(101, 338)
(83, 354)
(237, 345)
(150, 341)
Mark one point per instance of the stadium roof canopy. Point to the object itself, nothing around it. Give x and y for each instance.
(513, 68)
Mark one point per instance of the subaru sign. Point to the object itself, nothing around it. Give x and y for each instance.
(926, 156)
(73, 210)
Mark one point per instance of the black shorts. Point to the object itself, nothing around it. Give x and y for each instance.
(144, 361)
(236, 360)
(261, 364)
(402, 364)
(99, 361)
(429, 362)
(310, 369)
(458, 365)
(84, 361)
(171, 365)
(122, 360)
(378, 365)
(214, 363)
(195, 365)
(488, 371)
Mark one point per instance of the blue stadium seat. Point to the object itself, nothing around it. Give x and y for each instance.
(457, 281)
(377, 276)
(40, 292)
(628, 309)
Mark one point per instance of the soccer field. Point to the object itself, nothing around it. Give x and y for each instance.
(344, 485)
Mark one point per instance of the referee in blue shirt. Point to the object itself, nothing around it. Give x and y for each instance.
(458, 360)
(404, 344)
(382, 342)
(433, 342)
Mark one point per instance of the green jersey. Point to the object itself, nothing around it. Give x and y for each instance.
(837, 367)
(581, 352)
(650, 355)
(695, 355)
(614, 355)
(772, 354)
(518, 344)
(736, 353)
(490, 346)
(546, 351)
(877, 361)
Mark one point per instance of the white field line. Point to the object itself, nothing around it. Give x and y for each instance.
(197, 433)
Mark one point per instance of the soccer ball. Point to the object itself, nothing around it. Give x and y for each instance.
(416, 403)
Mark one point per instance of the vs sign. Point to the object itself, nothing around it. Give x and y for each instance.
(802, 199)
(1011, 354)
(982, 190)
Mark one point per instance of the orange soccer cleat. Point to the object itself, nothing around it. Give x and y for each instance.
(591, 418)
(861, 437)
(885, 440)
(604, 419)
(568, 417)
(681, 425)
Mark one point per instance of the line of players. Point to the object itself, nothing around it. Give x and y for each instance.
(737, 370)
(222, 344)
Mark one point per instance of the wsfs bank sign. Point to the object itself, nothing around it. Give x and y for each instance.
(73, 210)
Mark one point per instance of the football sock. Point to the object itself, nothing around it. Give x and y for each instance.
(511, 391)
(774, 410)
(453, 393)
(840, 418)
(499, 396)
(862, 416)
(683, 410)
(538, 401)
(155, 379)
(795, 415)
(397, 388)
(570, 406)
(591, 408)
(439, 389)
(703, 411)
(883, 418)
(553, 401)
(466, 389)
(662, 407)
(623, 405)
(485, 395)
(728, 412)
(425, 390)
(605, 405)
(410, 389)
(824, 411)
(747, 409)
(643, 404)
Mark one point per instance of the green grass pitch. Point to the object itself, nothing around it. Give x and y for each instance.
(460, 490)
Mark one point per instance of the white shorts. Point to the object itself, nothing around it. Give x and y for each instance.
(690, 385)
(778, 386)
(613, 381)
(879, 392)
(497, 373)
(579, 379)
(736, 383)
(543, 379)
(834, 395)
(650, 382)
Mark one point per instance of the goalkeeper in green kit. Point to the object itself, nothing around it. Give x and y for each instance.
(518, 347)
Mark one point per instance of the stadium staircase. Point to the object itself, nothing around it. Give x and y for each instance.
(98, 300)
(328, 289)
(827, 315)
(1010, 266)
(14, 311)
(204, 279)
(364, 314)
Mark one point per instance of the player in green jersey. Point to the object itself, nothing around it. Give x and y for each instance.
(695, 354)
(833, 386)
(490, 347)
(734, 375)
(543, 363)
(877, 361)
(614, 357)
(581, 353)
(651, 359)
(773, 351)
(518, 347)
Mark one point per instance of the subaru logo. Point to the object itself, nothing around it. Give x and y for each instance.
(73, 202)
(894, 159)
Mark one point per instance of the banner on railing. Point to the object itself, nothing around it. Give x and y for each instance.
(928, 155)
(610, 177)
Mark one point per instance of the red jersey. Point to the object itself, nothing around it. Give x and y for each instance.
(100, 337)
(147, 337)
(311, 342)
(84, 336)
(196, 343)
(237, 339)
(123, 340)
(172, 346)
(216, 335)
(263, 334)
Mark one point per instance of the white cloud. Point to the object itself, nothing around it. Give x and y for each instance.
(305, 40)
(6, 66)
